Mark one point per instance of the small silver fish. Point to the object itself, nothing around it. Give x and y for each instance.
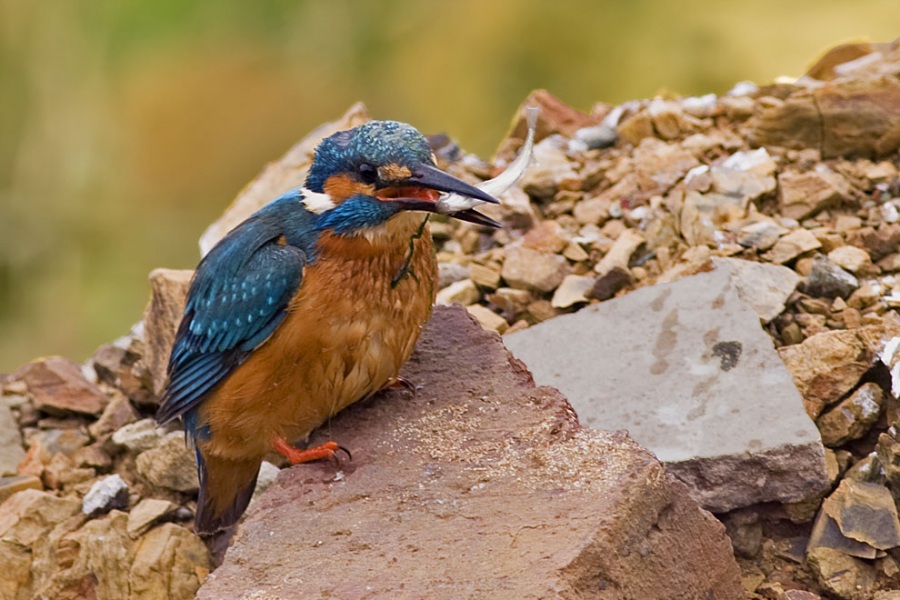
(449, 204)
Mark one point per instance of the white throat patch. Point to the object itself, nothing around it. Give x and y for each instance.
(315, 202)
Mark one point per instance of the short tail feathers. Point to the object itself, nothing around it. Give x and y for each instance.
(226, 487)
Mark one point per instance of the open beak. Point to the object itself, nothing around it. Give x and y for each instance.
(418, 192)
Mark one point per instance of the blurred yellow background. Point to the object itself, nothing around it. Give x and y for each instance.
(126, 127)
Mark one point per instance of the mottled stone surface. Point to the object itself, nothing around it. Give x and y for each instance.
(687, 370)
(479, 486)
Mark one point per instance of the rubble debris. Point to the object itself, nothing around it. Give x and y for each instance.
(851, 418)
(169, 464)
(865, 512)
(846, 577)
(827, 366)
(16, 483)
(168, 293)
(803, 195)
(138, 436)
(828, 280)
(147, 513)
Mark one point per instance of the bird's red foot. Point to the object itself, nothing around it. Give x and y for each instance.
(401, 383)
(297, 456)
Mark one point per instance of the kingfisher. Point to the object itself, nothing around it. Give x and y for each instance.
(312, 303)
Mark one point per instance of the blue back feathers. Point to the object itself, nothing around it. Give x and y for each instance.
(237, 299)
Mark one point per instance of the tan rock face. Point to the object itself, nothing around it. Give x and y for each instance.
(30, 514)
(529, 269)
(583, 513)
(169, 289)
(169, 465)
(184, 560)
(11, 451)
(828, 365)
(791, 246)
(100, 560)
(851, 418)
(16, 580)
(804, 194)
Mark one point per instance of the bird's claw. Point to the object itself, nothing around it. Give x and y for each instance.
(401, 382)
(297, 456)
(344, 450)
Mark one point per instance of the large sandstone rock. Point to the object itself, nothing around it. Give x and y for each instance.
(686, 368)
(479, 486)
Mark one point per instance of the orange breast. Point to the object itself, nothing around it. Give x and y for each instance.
(347, 333)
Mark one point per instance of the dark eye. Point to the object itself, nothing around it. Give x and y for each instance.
(368, 173)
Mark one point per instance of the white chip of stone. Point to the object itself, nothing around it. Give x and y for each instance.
(699, 106)
(887, 357)
(572, 290)
(104, 495)
(267, 475)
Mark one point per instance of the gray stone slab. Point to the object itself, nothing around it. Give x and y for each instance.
(686, 368)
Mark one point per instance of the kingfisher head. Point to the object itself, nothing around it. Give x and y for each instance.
(362, 177)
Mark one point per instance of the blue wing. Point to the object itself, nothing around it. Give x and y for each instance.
(239, 296)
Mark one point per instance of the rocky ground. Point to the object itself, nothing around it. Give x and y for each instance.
(97, 499)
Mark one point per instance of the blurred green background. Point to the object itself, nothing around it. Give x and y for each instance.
(126, 127)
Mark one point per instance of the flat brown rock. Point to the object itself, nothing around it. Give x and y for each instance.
(59, 388)
(480, 486)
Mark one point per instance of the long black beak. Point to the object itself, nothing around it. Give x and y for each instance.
(434, 178)
(473, 216)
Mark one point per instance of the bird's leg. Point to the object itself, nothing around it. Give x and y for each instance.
(297, 456)
(400, 382)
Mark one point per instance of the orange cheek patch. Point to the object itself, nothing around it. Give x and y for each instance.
(341, 187)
